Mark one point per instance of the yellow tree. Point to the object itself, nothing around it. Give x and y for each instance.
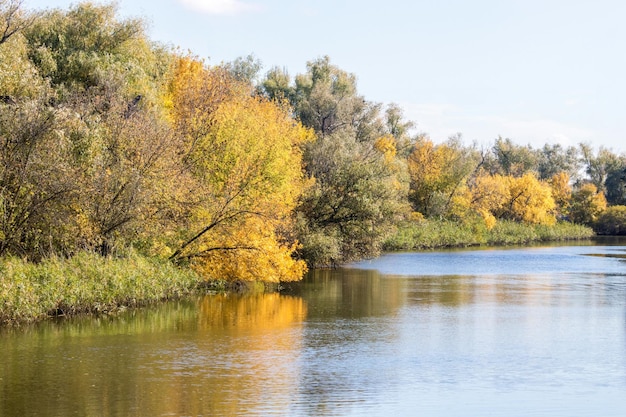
(561, 191)
(437, 174)
(489, 193)
(530, 200)
(244, 159)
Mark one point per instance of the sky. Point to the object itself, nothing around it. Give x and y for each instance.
(535, 71)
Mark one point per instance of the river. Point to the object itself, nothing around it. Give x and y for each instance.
(537, 331)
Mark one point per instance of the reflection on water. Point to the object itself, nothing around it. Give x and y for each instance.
(216, 355)
(538, 331)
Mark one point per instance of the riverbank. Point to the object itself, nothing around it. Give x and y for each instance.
(433, 234)
(89, 283)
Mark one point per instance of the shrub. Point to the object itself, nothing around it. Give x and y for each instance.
(612, 221)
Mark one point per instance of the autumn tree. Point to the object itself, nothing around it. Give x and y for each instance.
(488, 195)
(438, 173)
(243, 156)
(530, 201)
(561, 192)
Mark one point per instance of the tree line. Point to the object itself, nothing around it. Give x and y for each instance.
(109, 140)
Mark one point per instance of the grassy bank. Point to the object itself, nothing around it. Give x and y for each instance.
(433, 234)
(87, 283)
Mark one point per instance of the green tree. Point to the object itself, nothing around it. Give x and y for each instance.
(587, 203)
(352, 206)
(511, 159)
(615, 184)
(359, 185)
(599, 165)
(554, 159)
(37, 184)
(84, 46)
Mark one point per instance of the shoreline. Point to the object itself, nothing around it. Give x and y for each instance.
(91, 284)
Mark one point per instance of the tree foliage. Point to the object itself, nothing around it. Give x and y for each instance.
(243, 156)
(108, 140)
(587, 204)
(612, 221)
(438, 174)
(358, 186)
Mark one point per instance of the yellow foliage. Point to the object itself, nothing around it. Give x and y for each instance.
(387, 146)
(489, 193)
(436, 170)
(250, 252)
(244, 155)
(489, 219)
(530, 200)
(523, 198)
(561, 190)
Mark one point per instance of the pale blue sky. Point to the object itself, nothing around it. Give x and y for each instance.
(536, 71)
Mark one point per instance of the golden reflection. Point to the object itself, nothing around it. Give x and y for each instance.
(214, 355)
(250, 311)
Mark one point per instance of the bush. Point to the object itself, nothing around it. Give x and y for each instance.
(612, 221)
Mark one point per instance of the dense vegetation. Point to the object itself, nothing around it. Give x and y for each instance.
(110, 144)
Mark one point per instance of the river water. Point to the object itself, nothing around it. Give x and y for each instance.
(537, 331)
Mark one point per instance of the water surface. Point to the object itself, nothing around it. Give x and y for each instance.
(516, 332)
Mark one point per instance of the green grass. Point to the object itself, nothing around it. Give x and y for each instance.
(87, 283)
(432, 234)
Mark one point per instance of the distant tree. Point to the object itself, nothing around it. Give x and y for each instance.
(277, 85)
(615, 184)
(599, 165)
(587, 204)
(437, 173)
(488, 195)
(399, 128)
(561, 192)
(511, 159)
(244, 69)
(554, 159)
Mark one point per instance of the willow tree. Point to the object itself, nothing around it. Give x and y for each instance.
(359, 190)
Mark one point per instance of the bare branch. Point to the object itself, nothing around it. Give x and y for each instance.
(12, 19)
